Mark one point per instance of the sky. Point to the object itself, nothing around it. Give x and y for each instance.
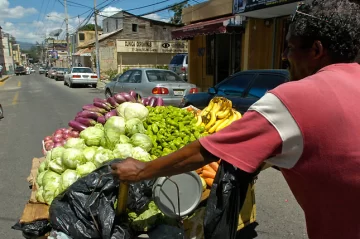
(33, 20)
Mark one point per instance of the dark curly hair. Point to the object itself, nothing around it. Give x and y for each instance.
(336, 23)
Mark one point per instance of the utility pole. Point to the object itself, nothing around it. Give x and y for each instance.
(67, 35)
(96, 43)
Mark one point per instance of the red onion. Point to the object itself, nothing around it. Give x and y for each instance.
(63, 142)
(58, 139)
(47, 138)
(49, 146)
(67, 131)
(63, 129)
(66, 135)
(48, 141)
(58, 144)
(58, 131)
(74, 134)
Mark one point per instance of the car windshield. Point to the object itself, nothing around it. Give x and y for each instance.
(20, 68)
(82, 70)
(177, 60)
(62, 69)
(164, 76)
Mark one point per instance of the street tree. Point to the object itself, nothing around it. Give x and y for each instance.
(177, 10)
(89, 27)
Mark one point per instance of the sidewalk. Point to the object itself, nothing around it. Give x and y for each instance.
(4, 78)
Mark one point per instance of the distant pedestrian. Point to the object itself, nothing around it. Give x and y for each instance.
(79, 65)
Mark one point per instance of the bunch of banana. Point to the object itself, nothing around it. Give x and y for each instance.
(217, 115)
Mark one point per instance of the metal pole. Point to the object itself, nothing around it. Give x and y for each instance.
(96, 44)
(67, 34)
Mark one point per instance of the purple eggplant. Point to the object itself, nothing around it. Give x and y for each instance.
(85, 121)
(102, 105)
(133, 94)
(99, 100)
(160, 101)
(110, 114)
(89, 114)
(145, 101)
(128, 97)
(119, 98)
(101, 120)
(152, 101)
(112, 102)
(76, 125)
(94, 108)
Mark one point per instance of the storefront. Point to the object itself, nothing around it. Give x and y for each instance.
(214, 49)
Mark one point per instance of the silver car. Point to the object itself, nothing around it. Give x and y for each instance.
(52, 72)
(80, 76)
(151, 82)
(179, 65)
(60, 73)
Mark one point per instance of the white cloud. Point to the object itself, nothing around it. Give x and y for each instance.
(157, 17)
(15, 12)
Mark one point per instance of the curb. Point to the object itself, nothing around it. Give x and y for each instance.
(4, 79)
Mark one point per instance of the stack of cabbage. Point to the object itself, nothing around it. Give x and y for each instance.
(122, 136)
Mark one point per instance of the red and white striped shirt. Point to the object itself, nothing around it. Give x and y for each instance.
(311, 130)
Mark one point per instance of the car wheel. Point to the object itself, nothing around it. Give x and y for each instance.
(94, 85)
(70, 84)
(108, 93)
(64, 82)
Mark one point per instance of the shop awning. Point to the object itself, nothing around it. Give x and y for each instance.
(216, 26)
(83, 52)
(264, 11)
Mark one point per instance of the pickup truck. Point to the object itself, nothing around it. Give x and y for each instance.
(20, 70)
(242, 88)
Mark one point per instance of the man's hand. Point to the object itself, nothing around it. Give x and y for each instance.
(128, 170)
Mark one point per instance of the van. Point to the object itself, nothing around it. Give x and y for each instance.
(179, 65)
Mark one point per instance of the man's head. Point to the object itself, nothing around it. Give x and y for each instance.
(323, 32)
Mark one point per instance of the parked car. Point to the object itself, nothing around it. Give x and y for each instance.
(52, 72)
(32, 70)
(243, 88)
(60, 73)
(179, 65)
(47, 69)
(151, 82)
(42, 70)
(80, 76)
(20, 70)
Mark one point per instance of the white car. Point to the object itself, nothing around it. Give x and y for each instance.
(80, 76)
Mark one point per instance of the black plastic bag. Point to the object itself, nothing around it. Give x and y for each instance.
(86, 208)
(33, 229)
(226, 199)
(140, 194)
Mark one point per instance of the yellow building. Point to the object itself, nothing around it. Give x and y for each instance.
(226, 36)
(16, 54)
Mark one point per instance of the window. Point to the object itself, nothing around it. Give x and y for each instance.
(81, 36)
(82, 70)
(117, 24)
(235, 85)
(125, 77)
(135, 77)
(177, 60)
(159, 75)
(263, 83)
(210, 54)
(134, 27)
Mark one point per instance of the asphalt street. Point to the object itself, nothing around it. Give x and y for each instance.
(34, 106)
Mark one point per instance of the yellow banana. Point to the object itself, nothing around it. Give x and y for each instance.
(211, 105)
(222, 125)
(238, 114)
(225, 112)
(216, 108)
(199, 120)
(229, 103)
(212, 120)
(213, 128)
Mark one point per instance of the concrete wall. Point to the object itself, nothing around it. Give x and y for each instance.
(114, 23)
(8, 55)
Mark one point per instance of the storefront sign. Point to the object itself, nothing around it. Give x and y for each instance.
(152, 46)
(240, 6)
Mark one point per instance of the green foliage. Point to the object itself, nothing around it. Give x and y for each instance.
(125, 69)
(177, 18)
(164, 67)
(111, 73)
(90, 27)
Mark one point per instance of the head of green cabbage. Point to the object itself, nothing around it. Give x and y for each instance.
(93, 135)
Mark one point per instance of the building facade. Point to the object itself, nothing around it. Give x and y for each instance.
(56, 52)
(130, 41)
(226, 36)
(16, 54)
(2, 59)
(8, 54)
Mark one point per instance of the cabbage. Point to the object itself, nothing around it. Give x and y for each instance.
(142, 140)
(85, 169)
(56, 153)
(93, 135)
(102, 156)
(114, 127)
(57, 166)
(51, 190)
(121, 109)
(123, 151)
(124, 139)
(39, 178)
(136, 110)
(140, 154)
(73, 157)
(50, 176)
(89, 153)
(134, 126)
(68, 178)
(76, 143)
(42, 167)
(39, 195)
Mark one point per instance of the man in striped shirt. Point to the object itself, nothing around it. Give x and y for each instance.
(308, 127)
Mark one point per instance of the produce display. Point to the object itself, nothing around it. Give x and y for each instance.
(126, 126)
(217, 115)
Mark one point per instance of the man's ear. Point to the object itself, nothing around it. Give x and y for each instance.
(318, 49)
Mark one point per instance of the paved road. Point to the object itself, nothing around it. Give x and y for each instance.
(35, 106)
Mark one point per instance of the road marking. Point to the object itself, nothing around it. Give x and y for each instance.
(19, 84)
(15, 99)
